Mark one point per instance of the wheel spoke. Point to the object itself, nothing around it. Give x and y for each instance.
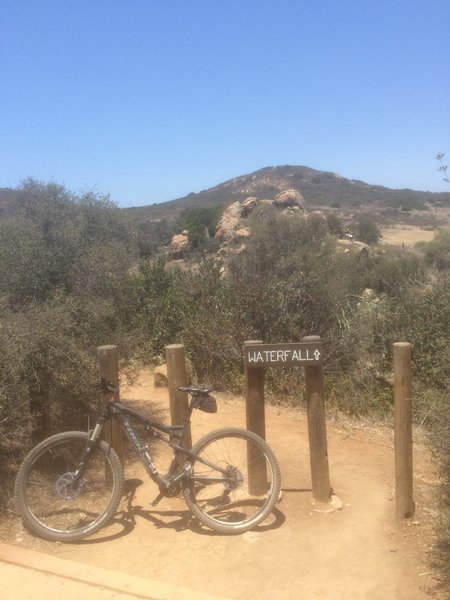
(56, 505)
(247, 495)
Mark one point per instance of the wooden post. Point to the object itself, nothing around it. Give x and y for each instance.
(403, 431)
(177, 377)
(317, 431)
(109, 369)
(256, 422)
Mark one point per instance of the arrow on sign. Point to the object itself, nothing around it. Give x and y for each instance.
(317, 355)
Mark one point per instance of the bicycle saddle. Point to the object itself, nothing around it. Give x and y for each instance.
(196, 391)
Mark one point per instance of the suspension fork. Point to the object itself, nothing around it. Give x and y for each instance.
(93, 440)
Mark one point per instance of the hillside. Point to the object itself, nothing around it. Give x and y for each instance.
(318, 188)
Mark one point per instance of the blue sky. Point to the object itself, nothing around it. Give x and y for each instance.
(148, 100)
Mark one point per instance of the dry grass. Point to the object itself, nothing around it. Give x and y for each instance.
(407, 236)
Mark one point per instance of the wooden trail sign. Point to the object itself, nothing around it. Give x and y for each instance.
(307, 354)
(282, 355)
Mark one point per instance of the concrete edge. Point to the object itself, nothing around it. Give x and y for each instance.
(116, 581)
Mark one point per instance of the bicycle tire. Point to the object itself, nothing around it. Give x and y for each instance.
(243, 502)
(49, 506)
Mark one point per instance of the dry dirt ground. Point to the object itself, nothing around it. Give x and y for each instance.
(422, 227)
(358, 552)
(406, 235)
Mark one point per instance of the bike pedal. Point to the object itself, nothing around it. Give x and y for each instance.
(157, 500)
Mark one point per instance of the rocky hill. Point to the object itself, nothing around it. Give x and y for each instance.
(292, 190)
(157, 224)
(318, 188)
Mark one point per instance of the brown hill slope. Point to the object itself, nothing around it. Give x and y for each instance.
(319, 188)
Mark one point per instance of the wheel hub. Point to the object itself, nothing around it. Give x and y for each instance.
(65, 489)
(236, 479)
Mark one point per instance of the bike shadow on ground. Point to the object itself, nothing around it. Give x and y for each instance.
(297, 490)
(178, 520)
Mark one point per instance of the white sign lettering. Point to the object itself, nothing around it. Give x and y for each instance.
(266, 355)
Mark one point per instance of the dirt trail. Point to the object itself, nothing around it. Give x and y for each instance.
(355, 553)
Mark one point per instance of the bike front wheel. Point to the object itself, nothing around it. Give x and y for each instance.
(56, 504)
(234, 481)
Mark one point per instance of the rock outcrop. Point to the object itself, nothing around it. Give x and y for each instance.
(289, 199)
(179, 245)
(233, 228)
(228, 222)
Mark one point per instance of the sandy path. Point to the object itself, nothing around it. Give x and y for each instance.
(355, 553)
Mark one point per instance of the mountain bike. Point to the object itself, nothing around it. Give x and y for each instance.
(70, 485)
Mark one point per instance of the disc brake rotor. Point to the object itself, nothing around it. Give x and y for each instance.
(64, 487)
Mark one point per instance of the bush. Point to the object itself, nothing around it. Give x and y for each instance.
(157, 307)
(437, 252)
(194, 308)
(291, 282)
(367, 230)
(391, 272)
(421, 317)
(434, 414)
(152, 236)
(334, 224)
(53, 238)
(64, 286)
(212, 329)
(200, 224)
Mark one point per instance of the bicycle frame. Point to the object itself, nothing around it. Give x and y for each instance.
(71, 484)
(176, 435)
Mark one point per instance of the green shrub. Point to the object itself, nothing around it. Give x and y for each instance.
(334, 225)
(434, 414)
(421, 317)
(152, 236)
(291, 282)
(211, 329)
(200, 224)
(157, 307)
(367, 230)
(437, 252)
(64, 281)
(49, 241)
(391, 272)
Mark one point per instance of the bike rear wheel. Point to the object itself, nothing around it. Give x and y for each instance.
(51, 505)
(239, 483)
